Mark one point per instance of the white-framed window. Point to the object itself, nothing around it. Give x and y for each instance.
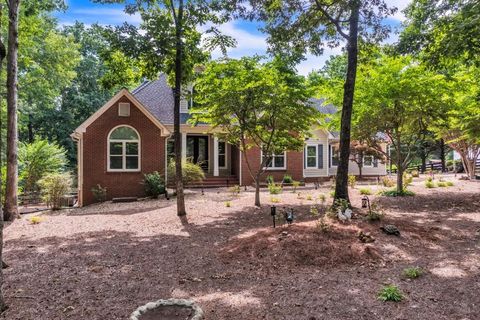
(123, 149)
(368, 161)
(276, 161)
(335, 155)
(311, 156)
(222, 154)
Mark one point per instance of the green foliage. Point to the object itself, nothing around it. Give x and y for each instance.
(387, 182)
(341, 204)
(37, 159)
(309, 197)
(412, 272)
(228, 204)
(314, 211)
(441, 184)
(270, 179)
(375, 213)
(396, 193)
(235, 190)
(274, 199)
(322, 225)
(365, 191)
(429, 184)
(154, 184)
(407, 180)
(287, 178)
(352, 180)
(54, 187)
(35, 220)
(295, 185)
(191, 172)
(99, 193)
(429, 179)
(415, 173)
(274, 188)
(322, 198)
(390, 293)
(450, 184)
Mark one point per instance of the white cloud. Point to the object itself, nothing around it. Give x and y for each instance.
(105, 15)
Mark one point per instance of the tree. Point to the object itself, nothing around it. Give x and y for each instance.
(3, 54)
(359, 150)
(168, 40)
(11, 210)
(255, 105)
(296, 27)
(399, 98)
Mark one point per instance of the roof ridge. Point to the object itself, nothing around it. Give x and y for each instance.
(141, 86)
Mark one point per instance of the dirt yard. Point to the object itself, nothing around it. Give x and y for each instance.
(103, 261)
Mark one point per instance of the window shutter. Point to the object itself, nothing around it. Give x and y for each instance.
(320, 156)
(304, 157)
(375, 162)
(329, 156)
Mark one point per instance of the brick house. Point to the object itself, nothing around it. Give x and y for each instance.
(131, 135)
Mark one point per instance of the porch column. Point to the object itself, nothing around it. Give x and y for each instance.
(184, 146)
(215, 157)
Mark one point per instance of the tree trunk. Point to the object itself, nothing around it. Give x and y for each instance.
(341, 186)
(2, 300)
(424, 162)
(30, 129)
(442, 155)
(257, 192)
(399, 173)
(176, 122)
(360, 167)
(11, 210)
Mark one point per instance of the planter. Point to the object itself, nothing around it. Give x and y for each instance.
(171, 309)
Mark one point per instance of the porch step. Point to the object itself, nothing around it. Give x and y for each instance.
(215, 182)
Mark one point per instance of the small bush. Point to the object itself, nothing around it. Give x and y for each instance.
(412, 272)
(387, 182)
(235, 190)
(287, 179)
(429, 179)
(429, 184)
(375, 213)
(99, 193)
(295, 185)
(191, 172)
(407, 180)
(395, 193)
(390, 293)
(322, 225)
(415, 173)
(270, 179)
(332, 193)
(35, 220)
(441, 184)
(274, 189)
(449, 183)
(154, 184)
(275, 200)
(322, 198)
(54, 186)
(228, 204)
(309, 197)
(365, 191)
(352, 181)
(313, 211)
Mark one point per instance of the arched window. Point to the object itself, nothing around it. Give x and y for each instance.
(123, 149)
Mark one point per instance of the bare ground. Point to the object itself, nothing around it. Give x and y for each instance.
(103, 261)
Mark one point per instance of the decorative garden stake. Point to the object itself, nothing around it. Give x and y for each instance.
(273, 212)
(366, 203)
(289, 216)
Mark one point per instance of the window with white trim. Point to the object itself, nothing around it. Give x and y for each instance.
(368, 161)
(311, 155)
(123, 149)
(222, 154)
(335, 155)
(276, 161)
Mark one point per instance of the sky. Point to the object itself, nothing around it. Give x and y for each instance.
(250, 40)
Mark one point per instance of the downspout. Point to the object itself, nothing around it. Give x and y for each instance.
(77, 137)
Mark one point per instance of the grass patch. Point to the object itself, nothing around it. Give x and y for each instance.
(365, 191)
(275, 200)
(429, 184)
(441, 184)
(35, 220)
(395, 193)
(228, 204)
(412, 272)
(390, 293)
(450, 183)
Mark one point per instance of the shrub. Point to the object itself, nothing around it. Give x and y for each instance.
(352, 181)
(429, 184)
(395, 193)
(35, 220)
(341, 204)
(375, 213)
(387, 182)
(407, 180)
(295, 185)
(309, 197)
(191, 172)
(429, 179)
(332, 193)
(287, 179)
(37, 159)
(365, 191)
(99, 193)
(270, 179)
(415, 173)
(441, 184)
(449, 183)
(274, 200)
(390, 293)
(154, 184)
(228, 204)
(54, 186)
(322, 225)
(235, 190)
(313, 211)
(412, 272)
(322, 198)
(274, 189)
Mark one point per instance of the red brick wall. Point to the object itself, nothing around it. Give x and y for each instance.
(294, 166)
(120, 184)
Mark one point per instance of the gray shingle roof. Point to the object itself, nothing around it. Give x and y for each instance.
(320, 105)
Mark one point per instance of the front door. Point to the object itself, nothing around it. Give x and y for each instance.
(197, 150)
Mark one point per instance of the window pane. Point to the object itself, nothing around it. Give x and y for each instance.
(132, 162)
(115, 148)
(116, 162)
(221, 160)
(170, 149)
(311, 151)
(132, 148)
(269, 162)
(367, 161)
(279, 161)
(221, 148)
(311, 162)
(124, 133)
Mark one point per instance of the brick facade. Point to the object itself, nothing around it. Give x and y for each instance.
(294, 166)
(95, 144)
